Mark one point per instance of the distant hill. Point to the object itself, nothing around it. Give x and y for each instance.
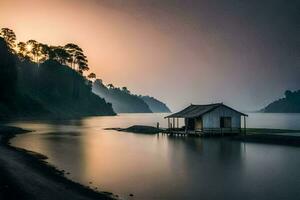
(120, 98)
(29, 89)
(155, 105)
(289, 104)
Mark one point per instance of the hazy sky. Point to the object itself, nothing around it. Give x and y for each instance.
(242, 53)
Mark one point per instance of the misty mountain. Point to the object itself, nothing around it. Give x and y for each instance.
(289, 104)
(155, 105)
(46, 89)
(125, 102)
(121, 99)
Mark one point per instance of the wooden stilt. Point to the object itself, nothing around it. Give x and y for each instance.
(174, 125)
(245, 125)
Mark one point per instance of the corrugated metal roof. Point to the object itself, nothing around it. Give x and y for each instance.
(193, 111)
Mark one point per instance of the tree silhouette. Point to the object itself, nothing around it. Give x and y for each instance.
(111, 86)
(43, 52)
(21, 50)
(125, 89)
(58, 53)
(70, 54)
(62, 55)
(288, 94)
(25, 93)
(8, 73)
(9, 37)
(92, 76)
(31, 46)
(36, 51)
(72, 49)
(78, 61)
(82, 62)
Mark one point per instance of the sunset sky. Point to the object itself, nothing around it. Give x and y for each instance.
(242, 53)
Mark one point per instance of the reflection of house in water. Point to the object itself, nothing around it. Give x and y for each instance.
(210, 118)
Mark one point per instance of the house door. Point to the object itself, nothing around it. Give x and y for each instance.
(190, 124)
(225, 122)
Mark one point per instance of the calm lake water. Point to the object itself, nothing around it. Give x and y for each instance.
(164, 168)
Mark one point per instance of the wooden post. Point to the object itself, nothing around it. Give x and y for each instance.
(241, 127)
(245, 125)
(174, 125)
(185, 125)
(177, 122)
(168, 123)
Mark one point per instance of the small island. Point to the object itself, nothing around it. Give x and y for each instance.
(139, 129)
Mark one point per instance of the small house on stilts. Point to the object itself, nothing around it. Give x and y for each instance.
(207, 119)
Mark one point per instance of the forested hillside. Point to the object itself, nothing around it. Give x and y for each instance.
(121, 98)
(38, 80)
(289, 104)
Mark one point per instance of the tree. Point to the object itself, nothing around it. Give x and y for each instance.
(82, 63)
(62, 56)
(58, 53)
(8, 73)
(92, 76)
(43, 52)
(21, 50)
(110, 86)
(72, 49)
(78, 61)
(124, 89)
(36, 51)
(99, 82)
(9, 37)
(288, 94)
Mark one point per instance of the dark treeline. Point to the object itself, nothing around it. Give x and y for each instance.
(124, 101)
(41, 80)
(289, 104)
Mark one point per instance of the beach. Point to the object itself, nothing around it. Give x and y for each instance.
(25, 175)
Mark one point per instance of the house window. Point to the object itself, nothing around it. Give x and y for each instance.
(225, 122)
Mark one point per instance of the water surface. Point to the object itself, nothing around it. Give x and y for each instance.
(162, 167)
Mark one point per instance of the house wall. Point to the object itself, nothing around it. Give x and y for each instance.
(212, 119)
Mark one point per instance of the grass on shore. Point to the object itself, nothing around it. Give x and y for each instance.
(270, 136)
(270, 131)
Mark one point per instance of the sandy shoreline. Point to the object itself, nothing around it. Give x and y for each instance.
(27, 176)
